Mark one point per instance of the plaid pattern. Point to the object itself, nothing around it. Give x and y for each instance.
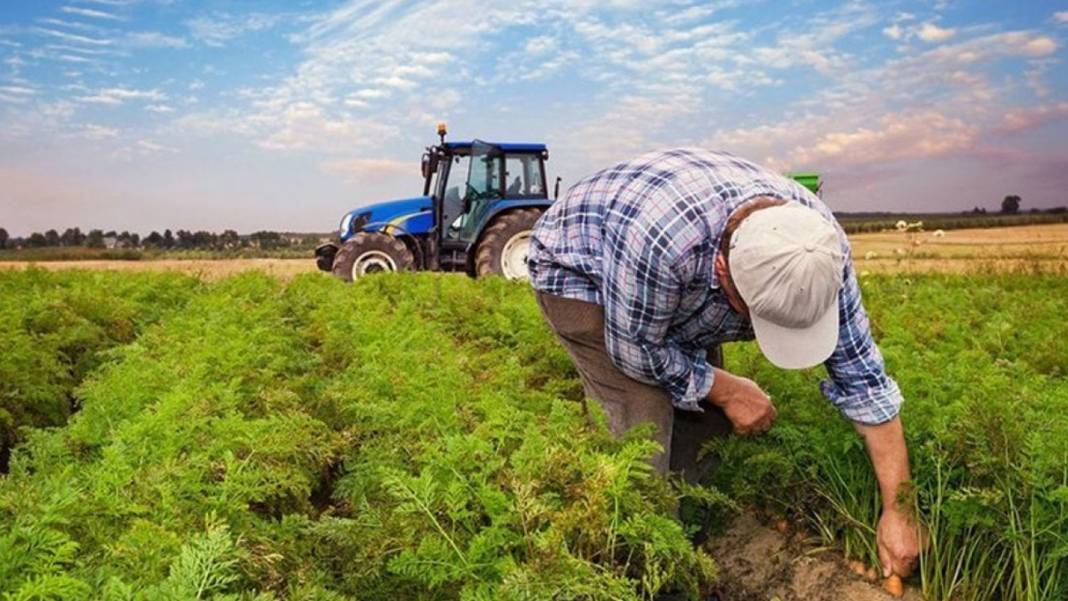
(640, 239)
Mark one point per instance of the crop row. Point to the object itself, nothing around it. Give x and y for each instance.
(419, 437)
(319, 441)
(982, 362)
(54, 330)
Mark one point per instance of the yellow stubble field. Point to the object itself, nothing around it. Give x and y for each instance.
(1031, 248)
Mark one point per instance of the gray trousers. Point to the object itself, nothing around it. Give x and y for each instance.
(627, 402)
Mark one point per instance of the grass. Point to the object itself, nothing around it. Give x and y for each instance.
(419, 437)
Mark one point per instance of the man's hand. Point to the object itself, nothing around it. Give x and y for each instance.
(898, 539)
(744, 403)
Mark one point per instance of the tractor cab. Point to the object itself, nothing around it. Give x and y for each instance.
(479, 204)
(471, 182)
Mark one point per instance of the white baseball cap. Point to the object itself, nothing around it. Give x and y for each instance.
(786, 262)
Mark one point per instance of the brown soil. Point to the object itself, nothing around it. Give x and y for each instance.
(760, 564)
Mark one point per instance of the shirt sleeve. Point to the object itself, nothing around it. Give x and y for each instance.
(642, 289)
(858, 384)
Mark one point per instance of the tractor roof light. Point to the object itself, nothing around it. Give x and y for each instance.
(442, 131)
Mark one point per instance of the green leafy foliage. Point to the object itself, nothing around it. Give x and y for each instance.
(400, 438)
(419, 437)
(982, 362)
(56, 328)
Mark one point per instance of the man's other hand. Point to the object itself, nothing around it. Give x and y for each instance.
(745, 404)
(898, 539)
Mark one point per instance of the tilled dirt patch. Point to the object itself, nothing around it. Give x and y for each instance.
(758, 563)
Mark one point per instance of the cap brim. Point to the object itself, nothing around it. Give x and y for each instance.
(798, 348)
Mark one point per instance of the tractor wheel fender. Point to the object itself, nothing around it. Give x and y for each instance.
(502, 241)
(370, 252)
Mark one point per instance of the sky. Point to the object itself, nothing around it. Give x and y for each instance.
(283, 115)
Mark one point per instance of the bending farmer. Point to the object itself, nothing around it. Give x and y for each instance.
(646, 265)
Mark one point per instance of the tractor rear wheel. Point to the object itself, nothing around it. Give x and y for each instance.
(505, 244)
(371, 252)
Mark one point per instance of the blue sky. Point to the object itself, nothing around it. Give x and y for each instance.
(146, 114)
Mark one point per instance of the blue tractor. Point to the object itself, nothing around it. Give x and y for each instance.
(479, 204)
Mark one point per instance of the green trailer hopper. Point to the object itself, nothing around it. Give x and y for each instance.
(808, 179)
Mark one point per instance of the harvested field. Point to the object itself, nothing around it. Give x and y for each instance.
(206, 269)
(1030, 248)
(1027, 249)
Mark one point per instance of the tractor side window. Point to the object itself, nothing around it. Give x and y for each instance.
(523, 176)
(455, 190)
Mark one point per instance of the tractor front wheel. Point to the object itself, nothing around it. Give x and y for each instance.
(371, 252)
(505, 244)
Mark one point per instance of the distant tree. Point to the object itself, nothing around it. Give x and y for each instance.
(51, 238)
(168, 239)
(267, 240)
(184, 239)
(4, 237)
(38, 240)
(128, 240)
(154, 240)
(203, 239)
(229, 239)
(1011, 204)
(95, 239)
(77, 237)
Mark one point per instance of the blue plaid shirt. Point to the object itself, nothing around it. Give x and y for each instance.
(640, 239)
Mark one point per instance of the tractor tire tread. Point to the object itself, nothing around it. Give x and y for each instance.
(487, 257)
(368, 241)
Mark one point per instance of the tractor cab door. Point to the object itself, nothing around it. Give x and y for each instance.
(484, 186)
(453, 192)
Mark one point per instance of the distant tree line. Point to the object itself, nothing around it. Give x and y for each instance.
(177, 240)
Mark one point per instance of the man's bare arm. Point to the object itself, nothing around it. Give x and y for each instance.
(898, 536)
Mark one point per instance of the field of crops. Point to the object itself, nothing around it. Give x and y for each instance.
(420, 437)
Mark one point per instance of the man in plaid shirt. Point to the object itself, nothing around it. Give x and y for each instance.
(644, 268)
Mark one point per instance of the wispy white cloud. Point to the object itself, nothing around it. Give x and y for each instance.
(92, 131)
(75, 58)
(1026, 118)
(929, 32)
(154, 39)
(77, 25)
(152, 147)
(219, 28)
(91, 13)
(1061, 17)
(16, 93)
(79, 49)
(72, 37)
(117, 96)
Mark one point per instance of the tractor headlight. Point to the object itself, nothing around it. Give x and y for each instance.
(346, 221)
